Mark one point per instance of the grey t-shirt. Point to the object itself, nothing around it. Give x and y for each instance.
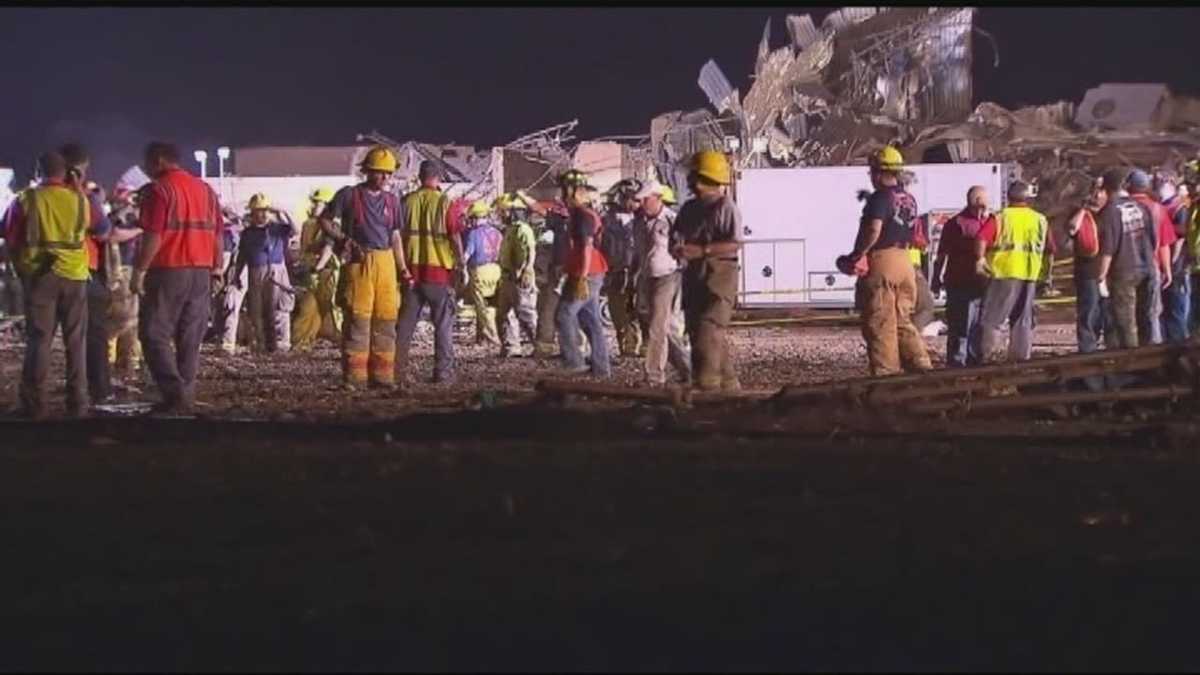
(1127, 233)
(707, 223)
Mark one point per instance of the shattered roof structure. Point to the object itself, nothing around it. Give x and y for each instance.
(839, 91)
(1124, 106)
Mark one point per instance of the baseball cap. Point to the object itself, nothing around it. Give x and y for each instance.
(651, 188)
(1138, 180)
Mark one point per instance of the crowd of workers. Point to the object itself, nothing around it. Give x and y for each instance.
(158, 268)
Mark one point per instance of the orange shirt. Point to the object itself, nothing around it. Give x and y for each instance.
(184, 211)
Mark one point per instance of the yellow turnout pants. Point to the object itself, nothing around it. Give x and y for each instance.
(371, 296)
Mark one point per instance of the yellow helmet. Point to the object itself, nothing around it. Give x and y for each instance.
(502, 202)
(668, 195)
(712, 165)
(321, 194)
(479, 209)
(259, 201)
(379, 158)
(888, 159)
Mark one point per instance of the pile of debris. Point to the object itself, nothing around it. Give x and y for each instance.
(869, 76)
(1075, 390)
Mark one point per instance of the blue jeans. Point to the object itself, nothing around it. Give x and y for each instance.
(963, 306)
(576, 314)
(1091, 315)
(1177, 302)
(1194, 314)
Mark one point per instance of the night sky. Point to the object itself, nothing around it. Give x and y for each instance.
(202, 77)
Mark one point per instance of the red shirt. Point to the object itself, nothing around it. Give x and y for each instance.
(1165, 229)
(436, 274)
(958, 246)
(183, 210)
(584, 222)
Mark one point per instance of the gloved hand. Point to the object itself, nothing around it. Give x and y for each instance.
(577, 289)
(845, 263)
(137, 282)
(527, 279)
(464, 277)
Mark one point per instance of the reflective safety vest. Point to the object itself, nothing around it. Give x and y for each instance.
(914, 256)
(428, 240)
(1020, 244)
(56, 221)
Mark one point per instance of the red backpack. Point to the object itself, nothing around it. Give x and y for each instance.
(1087, 237)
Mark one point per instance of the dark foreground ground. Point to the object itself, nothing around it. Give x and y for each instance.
(259, 547)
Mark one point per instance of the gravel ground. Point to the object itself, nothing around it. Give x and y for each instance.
(306, 386)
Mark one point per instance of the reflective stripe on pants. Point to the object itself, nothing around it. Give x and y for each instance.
(372, 298)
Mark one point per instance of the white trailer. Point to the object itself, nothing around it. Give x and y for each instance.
(796, 222)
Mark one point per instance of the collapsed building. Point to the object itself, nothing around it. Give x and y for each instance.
(867, 77)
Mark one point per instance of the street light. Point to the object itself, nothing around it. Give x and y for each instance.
(222, 155)
(201, 158)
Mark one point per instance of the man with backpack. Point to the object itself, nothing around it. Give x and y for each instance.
(1091, 299)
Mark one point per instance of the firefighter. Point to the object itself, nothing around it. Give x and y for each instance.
(481, 250)
(517, 298)
(228, 298)
(370, 221)
(317, 277)
(617, 246)
(707, 235)
(124, 349)
(584, 269)
(889, 288)
(550, 259)
(262, 249)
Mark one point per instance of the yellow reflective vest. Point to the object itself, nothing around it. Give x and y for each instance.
(1020, 245)
(425, 223)
(57, 218)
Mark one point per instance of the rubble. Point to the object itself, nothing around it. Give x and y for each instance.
(867, 77)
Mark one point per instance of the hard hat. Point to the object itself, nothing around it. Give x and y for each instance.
(575, 178)
(668, 195)
(502, 201)
(259, 201)
(626, 187)
(478, 209)
(379, 158)
(887, 159)
(712, 165)
(321, 194)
